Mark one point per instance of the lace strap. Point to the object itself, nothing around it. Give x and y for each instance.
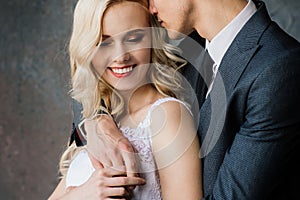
(163, 100)
(146, 121)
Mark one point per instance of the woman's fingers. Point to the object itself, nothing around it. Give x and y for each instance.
(111, 172)
(116, 177)
(124, 181)
(116, 192)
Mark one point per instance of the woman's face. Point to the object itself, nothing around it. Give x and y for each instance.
(123, 56)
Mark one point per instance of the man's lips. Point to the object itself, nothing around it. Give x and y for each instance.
(158, 19)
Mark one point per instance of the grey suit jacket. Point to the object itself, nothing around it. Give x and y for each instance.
(249, 125)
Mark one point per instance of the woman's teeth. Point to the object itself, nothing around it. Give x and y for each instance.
(122, 70)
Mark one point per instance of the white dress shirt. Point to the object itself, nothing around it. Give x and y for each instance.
(221, 42)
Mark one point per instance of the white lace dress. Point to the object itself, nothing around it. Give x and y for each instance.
(81, 167)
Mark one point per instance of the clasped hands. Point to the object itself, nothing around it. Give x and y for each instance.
(114, 159)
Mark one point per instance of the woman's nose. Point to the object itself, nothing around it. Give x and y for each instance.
(121, 54)
(125, 57)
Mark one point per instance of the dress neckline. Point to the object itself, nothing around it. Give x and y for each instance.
(146, 121)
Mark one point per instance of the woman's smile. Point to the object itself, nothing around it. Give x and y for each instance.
(124, 50)
(121, 72)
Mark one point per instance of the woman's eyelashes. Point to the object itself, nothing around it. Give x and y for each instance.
(105, 42)
(129, 39)
(136, 38)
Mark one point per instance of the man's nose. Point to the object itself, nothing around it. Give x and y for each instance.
(152, 7)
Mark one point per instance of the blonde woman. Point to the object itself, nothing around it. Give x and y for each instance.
(121, 65)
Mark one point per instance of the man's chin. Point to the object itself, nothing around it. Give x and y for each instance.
(174, 35)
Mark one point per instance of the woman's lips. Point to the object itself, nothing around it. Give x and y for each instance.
(121, 72)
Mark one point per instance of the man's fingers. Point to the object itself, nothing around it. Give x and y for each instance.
(131, 164)
(113, 149)
(130, 157)
(126, 155)
(117, 159)
(111, 135)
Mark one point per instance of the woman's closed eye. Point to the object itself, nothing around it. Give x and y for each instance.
(131, 37)
(105, 43)
(135, 38)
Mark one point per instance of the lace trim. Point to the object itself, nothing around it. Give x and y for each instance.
(146, 121)
(141, 137)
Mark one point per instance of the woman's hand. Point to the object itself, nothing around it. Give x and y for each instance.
(104, 184)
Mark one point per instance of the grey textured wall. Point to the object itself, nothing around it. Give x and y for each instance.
(35, 111)
(287, 14)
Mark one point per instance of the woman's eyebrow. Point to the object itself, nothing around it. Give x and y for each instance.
(135, 31)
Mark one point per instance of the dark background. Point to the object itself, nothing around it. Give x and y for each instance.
(36, 112)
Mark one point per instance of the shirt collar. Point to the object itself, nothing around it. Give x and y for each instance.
(221, 42)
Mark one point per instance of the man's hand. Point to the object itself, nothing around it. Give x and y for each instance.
(106, 143)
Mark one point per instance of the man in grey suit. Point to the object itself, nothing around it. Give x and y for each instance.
(249, 123)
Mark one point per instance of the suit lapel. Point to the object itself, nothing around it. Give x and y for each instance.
(243, 48)
(232, 66)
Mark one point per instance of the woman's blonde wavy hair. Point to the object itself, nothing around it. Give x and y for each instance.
(90, 89)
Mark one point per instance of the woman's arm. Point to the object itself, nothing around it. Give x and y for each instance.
(176, 149)
(59, 190)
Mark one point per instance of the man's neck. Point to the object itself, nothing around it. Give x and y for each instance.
(214, 15)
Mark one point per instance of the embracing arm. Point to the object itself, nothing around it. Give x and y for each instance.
(109, 146)
(176, 151)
